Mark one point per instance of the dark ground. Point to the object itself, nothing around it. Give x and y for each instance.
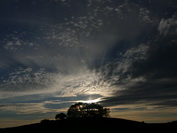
(94, 125)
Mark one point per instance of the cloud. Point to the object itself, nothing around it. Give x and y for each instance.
(168, 26)
(145, 15)
(63, 52)
(14, 43)
(36, 104)
(30, 81)
(63, 58)
(143, 112)
(146, 73)
(77, 38)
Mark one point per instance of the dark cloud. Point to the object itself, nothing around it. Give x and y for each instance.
(150, 79)
(147, 92)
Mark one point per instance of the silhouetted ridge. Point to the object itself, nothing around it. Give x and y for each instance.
(93, 124)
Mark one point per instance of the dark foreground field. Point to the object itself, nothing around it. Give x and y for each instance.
(93, 125)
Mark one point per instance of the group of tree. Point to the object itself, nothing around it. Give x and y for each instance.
(84, 110)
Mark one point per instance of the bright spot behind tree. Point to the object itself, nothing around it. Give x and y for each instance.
(87, 110)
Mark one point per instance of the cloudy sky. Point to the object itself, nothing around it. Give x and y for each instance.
(120, 53)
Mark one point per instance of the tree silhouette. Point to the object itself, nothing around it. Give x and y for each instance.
(87, 110)
(60, 116)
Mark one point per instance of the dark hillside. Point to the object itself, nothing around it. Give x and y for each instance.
(91, 125)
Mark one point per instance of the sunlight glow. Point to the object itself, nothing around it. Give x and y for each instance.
(90, 101)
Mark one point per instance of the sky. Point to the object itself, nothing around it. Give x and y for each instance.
(119, 53)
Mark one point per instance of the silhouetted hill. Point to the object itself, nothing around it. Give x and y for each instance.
(93, 125)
